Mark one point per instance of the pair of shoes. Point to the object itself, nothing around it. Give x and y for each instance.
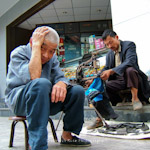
(137, 105)
(96, 124)
(75, 141)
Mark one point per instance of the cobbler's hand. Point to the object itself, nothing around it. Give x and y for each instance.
(59, 92)
(88, 82)
(105, 74)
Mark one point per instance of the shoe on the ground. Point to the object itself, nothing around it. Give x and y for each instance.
(137, 105)
(75, 141)
(95, 125)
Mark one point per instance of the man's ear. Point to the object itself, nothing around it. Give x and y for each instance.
(117, 37)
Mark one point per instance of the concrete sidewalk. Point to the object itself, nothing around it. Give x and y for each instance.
(98, 143)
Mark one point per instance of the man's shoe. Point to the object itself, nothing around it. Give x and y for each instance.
(137, 105)
(75, 141)
(96, 124)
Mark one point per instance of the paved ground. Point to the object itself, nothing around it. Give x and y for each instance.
(98, 143)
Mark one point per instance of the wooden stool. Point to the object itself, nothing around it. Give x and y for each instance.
(22, 119)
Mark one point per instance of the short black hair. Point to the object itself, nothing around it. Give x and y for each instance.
(108, 32)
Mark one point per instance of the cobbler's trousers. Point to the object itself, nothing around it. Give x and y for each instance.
(128, 80)
(35, 103)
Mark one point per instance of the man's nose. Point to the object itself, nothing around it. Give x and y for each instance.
(108, 46)
(46, 55)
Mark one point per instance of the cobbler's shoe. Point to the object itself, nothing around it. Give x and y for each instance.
(75, 141)
(137, 105)
(95, 125)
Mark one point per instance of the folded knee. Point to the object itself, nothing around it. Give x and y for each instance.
(42, 84)
(78, 90)
(77, 95)
(130, 71)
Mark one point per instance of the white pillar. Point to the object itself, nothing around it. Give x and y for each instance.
(131, 21)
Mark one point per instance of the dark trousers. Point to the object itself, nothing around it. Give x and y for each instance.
(35, 103)
(128, 80)
(105, 109)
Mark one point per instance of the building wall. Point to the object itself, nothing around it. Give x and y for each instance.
(131, 21)
(21, 7)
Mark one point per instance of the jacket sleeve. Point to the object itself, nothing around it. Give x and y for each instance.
(19, 66)
(129, 58)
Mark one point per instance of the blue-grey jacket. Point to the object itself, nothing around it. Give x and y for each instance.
(18, 73)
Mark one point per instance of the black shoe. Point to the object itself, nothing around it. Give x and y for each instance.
(75, 142)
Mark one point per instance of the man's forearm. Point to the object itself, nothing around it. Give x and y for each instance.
(35, 65)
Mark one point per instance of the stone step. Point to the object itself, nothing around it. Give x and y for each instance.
(126, 113)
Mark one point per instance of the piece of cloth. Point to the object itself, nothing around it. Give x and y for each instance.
(18, 73)
(128, 58)
(125, 129)
(34, 102)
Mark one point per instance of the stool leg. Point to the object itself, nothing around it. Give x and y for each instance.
(53, 130)
(59, 120)
(26, 135)
(12, 133)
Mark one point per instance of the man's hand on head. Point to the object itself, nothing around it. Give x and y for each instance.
(36, 41)
(59, 92)
(39, 36)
